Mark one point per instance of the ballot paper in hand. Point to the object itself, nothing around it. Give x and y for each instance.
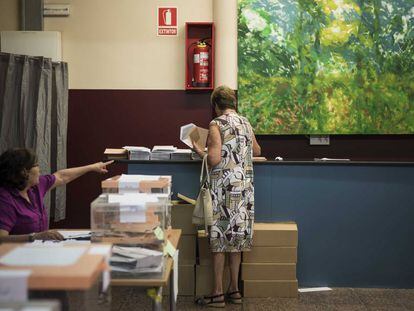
(191, 132)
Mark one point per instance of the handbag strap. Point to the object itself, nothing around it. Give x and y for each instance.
(204, 165)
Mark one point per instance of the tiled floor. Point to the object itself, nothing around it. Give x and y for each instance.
(347, 299)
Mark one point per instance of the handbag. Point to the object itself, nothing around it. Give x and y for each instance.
(203, 210)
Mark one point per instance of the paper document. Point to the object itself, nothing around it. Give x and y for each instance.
(135, 258)
(13, 285)
(137, 148)
(132, 214)
(314, 289)
(71, 234)
(134, 199)
(191, 132)
(167, 149)
(41, 256)
(130, 183)
(54, 243)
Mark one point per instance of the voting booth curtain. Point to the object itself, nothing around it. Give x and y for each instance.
(34, 110)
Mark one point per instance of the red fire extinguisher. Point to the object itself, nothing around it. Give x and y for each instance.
(200, 65)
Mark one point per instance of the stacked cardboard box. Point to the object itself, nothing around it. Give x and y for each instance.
(269, 269)
(181, 218)
(204, 268)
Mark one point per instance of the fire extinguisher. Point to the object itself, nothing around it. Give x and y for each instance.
(201, 65)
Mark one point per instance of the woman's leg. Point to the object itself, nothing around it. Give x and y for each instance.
(218, 265)
(235, 259)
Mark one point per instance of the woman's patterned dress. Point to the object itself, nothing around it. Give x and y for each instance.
(232, 188)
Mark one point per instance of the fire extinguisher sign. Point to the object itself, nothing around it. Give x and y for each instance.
(167, 21)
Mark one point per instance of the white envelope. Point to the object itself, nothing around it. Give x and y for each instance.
(191, 132)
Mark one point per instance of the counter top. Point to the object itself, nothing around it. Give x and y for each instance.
(283, 162)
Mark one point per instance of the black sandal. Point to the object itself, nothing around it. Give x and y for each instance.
(235, 300)
(208, 301)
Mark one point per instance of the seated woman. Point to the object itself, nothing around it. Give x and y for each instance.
(23, 216)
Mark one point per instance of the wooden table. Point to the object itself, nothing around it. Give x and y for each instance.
(173, 235)
(80, 279)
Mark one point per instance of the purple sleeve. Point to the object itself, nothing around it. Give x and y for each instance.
(8, 215)
(45, 183)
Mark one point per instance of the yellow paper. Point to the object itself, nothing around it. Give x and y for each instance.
(159, 233)
(169, 249)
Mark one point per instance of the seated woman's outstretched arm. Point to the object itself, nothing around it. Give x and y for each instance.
(67, 175)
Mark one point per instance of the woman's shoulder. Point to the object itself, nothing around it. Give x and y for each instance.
(45, 183)
(219, 121)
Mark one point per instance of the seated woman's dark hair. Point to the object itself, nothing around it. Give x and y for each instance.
(14, 167)
(223, 98)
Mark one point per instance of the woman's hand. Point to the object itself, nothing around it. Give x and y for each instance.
(48, 235)
(196, 147)
(100, 167)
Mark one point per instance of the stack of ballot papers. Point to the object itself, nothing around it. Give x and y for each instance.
(136, 260)
(138, 153)
(181, 154)
(162, 152)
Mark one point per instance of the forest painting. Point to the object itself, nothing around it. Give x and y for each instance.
(327, 66)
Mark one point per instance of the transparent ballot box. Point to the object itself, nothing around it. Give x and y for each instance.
(137, 183)
(129, 219)
(135, 224)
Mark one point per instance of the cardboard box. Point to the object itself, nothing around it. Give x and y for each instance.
(205, 278)
(187, 247)
(263, 289)
(181, 218)
(268, 271)
(262, 254)
(205, 256)
(160, 185)
(275, 234)
(204, 253)
(186, 281)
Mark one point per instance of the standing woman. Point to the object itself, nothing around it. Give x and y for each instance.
(23, 216)
(231, 146)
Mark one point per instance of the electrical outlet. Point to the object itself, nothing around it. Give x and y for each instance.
(319, 140)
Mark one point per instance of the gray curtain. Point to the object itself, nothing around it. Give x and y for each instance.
(33, 106)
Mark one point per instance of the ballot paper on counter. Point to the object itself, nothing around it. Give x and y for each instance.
(162, 152)
(138, 153)
(191, 132)
(181, 154)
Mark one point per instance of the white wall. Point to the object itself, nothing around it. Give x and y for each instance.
(113, 44)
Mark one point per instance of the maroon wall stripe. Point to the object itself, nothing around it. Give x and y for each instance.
(114, 118)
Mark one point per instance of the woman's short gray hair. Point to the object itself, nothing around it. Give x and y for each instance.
(223, 98)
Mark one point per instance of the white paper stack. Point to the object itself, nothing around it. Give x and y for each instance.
(136, 260)
(138, 153)
(162, 152)
(181, 154)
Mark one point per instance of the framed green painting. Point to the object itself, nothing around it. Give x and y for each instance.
(326, 66)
